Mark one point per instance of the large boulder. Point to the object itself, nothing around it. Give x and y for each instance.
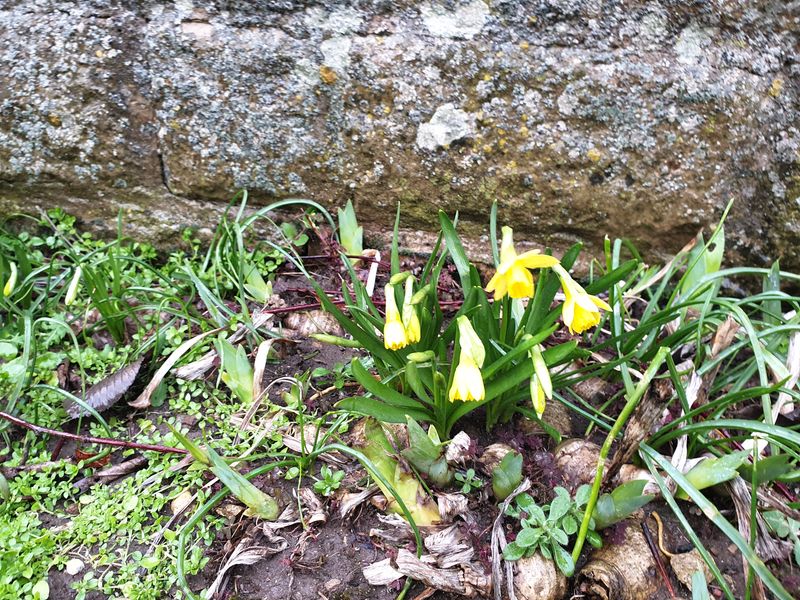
(581, 118)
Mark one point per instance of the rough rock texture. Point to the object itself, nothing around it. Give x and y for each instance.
(581, 117)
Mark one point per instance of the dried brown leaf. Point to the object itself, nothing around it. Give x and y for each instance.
(106, 392)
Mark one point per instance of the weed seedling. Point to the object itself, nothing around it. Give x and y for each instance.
(330, 482)
(469, 481)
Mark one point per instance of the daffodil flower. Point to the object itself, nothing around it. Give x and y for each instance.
(541, 386)
(581, 310)
(394, 333)
(467, 380)
(513, 276)
(410, 318)
(538, 396)
(11, 282)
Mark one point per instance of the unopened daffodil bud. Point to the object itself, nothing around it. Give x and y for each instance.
(11, 282)
(541, 371)
(541, 386)
(399, 278)
(394, 333)
(420, 357)
(410, 318)
(420, 295)
(72, 290)
(513, 276)
(581, 310)
(336, 340)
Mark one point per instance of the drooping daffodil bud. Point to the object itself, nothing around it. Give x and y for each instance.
(513, 276)
(410, 318)
(421, 357)
(467, 380)
(399, 278)
(11, 282)
(72, 290)
(581, 310)
(394, 333)
(541, 385)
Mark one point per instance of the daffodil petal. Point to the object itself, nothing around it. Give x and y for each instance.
(535, 260)
(600, 303)
(568, 313)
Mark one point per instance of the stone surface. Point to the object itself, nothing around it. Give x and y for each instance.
(581, 118)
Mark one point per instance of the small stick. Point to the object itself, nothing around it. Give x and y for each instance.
(659, 561)
(660, 524)
(89, 439)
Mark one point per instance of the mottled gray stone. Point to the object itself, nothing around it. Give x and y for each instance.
(448, 124)
(637, 118)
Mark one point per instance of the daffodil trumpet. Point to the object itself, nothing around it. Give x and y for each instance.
(394, 332)
(513, 276)
(581, 310)
(410, 318)
(467, 382)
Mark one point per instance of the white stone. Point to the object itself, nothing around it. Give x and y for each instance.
(447, 125)
(74, 566)
(464, 22)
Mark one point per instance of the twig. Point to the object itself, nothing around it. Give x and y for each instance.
(662, 570)
(89, 439)
(660, 524)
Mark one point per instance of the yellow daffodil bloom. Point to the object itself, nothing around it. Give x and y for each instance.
(541, 386)
(410, 318)
(467, 380)
(581, 310)
(11, 282)
(394, 333)
(513, 276)
(538, 396)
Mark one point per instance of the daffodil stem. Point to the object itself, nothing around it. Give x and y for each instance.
(627, 410)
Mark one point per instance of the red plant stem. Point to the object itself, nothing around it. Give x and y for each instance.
(657, 557)
(89, 439)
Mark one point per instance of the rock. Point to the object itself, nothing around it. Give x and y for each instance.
(685, 565)
(638, 119)
(537, 578)
(448, 124)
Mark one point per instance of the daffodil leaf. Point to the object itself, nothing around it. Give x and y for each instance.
(368, 340)
(381, 390)
(387, 413)
(456, 250)
(395, 255)
(605, 282)
(493, 233)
